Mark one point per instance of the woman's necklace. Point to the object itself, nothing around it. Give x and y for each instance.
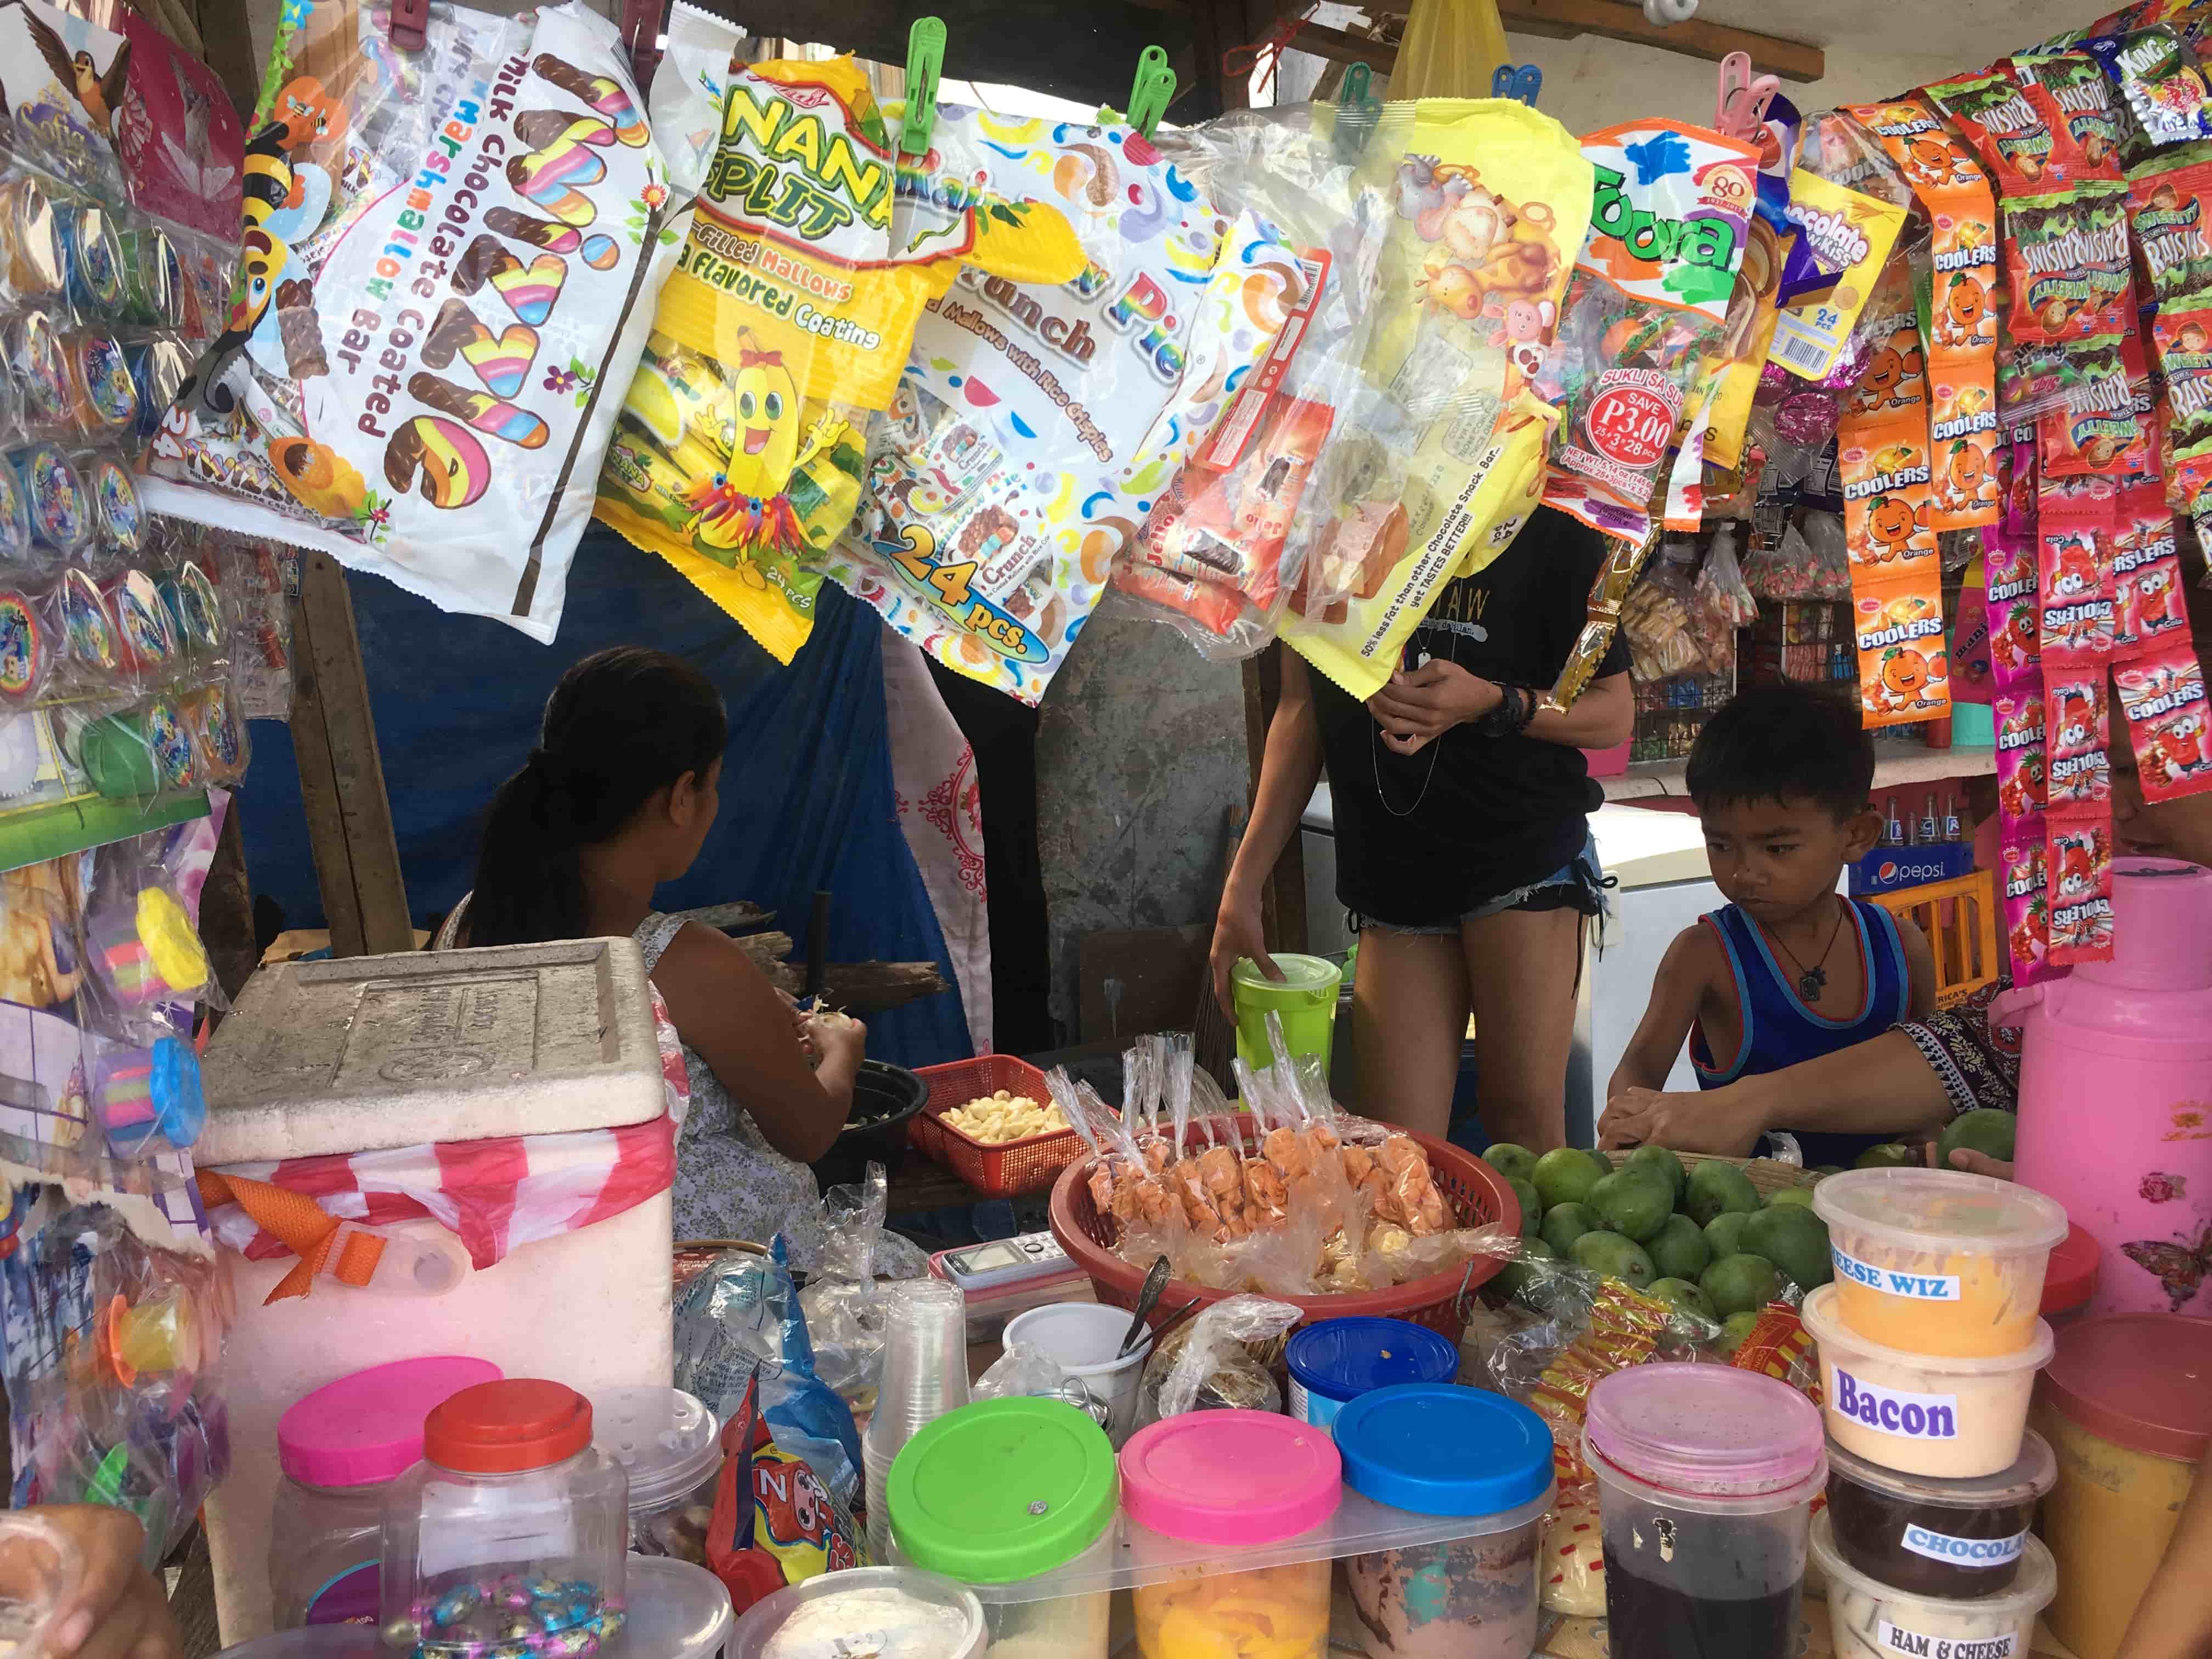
(1436, 744)
(1811, 981)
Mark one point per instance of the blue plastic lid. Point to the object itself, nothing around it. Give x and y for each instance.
(1344, 1357)
(1439, 1449)
(180, 1108)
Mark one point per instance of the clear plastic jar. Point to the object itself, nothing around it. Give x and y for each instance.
(339, 1447)
(670, 1446)
(513, 1531)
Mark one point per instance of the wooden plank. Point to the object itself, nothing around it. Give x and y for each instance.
(1141, 980)
(349, 815)
(1613, 19)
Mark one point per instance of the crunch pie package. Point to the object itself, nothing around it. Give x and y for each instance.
(1493, 199)
(1037, 419)
(447, 254)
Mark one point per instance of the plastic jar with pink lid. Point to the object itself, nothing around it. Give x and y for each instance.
(1706, 1477)
(339, 1447)
(1233, 1479)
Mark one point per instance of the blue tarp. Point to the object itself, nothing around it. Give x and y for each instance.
(807, 784)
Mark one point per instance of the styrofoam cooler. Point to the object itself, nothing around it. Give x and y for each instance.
(374, 1052)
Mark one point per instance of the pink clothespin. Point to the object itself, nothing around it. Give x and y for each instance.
(1741, 110)
(409, 20)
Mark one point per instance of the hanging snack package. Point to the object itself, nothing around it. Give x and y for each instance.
(2148, 607)
(2160, 82)
(1492, 202)
(784, 329)
(2181, 334)
(2166, 211)
(1225, 542)
(1844, 240)
(2078, 867)
(2162, 695)
(2091, 119)
(2094, 429)
(446, 253)
(1040, 414)
(1905, 672)
(2024, 867)
(2016, 131)
(1747, 341)
(1897, 608)
(1646, 309)
(2067, 263)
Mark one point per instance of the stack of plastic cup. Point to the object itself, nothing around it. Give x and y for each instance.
(925, 1375)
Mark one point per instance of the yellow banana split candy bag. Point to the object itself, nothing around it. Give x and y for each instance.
(1492, 200)
(1039, 418)
(781, 334)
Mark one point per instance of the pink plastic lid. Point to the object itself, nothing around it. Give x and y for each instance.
(1710, 1430)
(1231, 1477)
(365, 1429)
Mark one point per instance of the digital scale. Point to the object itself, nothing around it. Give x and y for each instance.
(1003, 1277)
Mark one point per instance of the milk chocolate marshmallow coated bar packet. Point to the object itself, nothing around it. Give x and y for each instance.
(448, 256)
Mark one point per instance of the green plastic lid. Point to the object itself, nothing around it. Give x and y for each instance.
(1299, 972)
(1002, 1490)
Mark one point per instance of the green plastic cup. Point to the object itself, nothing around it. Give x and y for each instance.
(1305, 998)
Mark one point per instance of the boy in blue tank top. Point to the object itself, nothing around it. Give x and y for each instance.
(1790, 969)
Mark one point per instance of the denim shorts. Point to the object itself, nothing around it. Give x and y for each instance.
(1580, 883)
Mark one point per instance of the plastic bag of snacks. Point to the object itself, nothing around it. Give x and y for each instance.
(1039, 418)
(1492, 202)
(773, 1523)
(1211, 1365)
(447, 253)
(1226, 542)
(1651, 288)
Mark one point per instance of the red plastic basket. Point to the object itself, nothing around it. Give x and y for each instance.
(1476, 1192)
(1008, 1169)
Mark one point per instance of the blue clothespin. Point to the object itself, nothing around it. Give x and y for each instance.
(1356, 114)
(1521, 82)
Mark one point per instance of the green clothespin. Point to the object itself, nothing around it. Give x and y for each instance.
(1152, 91)
(924, 62)
(1356, 112)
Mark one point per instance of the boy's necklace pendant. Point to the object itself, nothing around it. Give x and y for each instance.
(1812, 982)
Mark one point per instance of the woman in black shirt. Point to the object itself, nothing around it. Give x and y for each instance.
(1462, 835)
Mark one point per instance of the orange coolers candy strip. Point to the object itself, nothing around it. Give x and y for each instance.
(1905, 671)
(1897, 603)
(1962, 332)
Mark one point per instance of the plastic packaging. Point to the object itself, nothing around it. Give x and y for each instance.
(843, 1303)
(901, 1610)
(1705, 1480)
(1233, 1477)
(340, 1447)
(1871, 1618)
(446, 253)
(670, 1448)
(1936, 1262)
(2126, 1409)
(1440, 1449)
(1953, 1417)
(1959, 1539)
(1002, 1491)
(512, 1518)
(1339, 1360)
(1208, 1364)
(1083, 1338)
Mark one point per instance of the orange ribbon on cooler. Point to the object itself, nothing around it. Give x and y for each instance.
(300, 1224)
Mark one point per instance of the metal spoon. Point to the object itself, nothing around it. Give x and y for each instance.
(1147, 1299)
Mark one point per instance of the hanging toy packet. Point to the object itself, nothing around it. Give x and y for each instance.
(783, 331)
(447, 255)
(1039, 417)
(1493, 199)
(1669, 224)
(2160, 82)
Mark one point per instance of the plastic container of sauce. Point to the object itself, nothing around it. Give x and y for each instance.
(1338, 1360)
(1938, 1262)
(1961, 1538)
(2127, 1406)
(1918, 1413)
(999, 1492)
(1870, 1619)
(1437, 1449)
(1706, 1477)
(864, 1610)
(1233, 1479)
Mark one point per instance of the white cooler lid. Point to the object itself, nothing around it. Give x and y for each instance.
(1644, 848)
(375, 1052)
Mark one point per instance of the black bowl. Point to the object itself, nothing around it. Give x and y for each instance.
(885, 1097)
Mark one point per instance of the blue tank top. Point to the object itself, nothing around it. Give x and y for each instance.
(1779, 1029)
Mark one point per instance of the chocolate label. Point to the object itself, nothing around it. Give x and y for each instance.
(1921, 1287)
(1895, 1638)
(1893, 1411)
(1963, 1552)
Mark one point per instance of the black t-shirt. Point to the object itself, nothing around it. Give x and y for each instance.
(1422, 838)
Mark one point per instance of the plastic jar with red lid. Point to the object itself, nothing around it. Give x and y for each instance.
(511, 1533)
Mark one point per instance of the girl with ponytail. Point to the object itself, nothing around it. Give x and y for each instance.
(618, 797)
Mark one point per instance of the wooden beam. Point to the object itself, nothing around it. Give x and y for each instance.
(1614, 20)
(341, 773)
